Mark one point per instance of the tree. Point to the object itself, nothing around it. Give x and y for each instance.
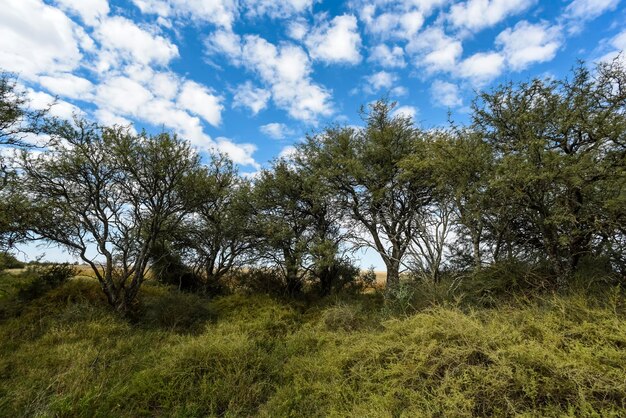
(297, 225)
(364, 169)
(17, 121)
(107, 190)
(217, 233)
(560, 158)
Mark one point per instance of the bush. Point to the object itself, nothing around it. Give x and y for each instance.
(265, 281)
(8, 261)
(339, 275)
(176, 311)
(46, 278)
(168, 268)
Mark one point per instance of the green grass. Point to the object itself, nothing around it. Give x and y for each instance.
(67, 354)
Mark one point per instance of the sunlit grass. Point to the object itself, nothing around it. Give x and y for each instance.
(67, 354)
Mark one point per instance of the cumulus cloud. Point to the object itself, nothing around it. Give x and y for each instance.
(589, 9)
(67, 85)
(276, 130)
(239, 153)
(387, 57)
(58, 108)
(276, 8)
(218, 12)
(379, 80)
(405, 111)
(481, 67)
(122, 41)
(400, 19)
(475, 15)
(223, 13)
(528, 43)
(288, 152)
(435, 50)
(251, 97)
(445, 94)
(337, 41)
(36, 39)
(201, 101)
(617, 44)
(90, 11)
(285, 70)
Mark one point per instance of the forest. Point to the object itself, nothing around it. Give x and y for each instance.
(203, 292)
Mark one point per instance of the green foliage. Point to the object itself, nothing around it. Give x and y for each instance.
(46, 278)
(8, 261)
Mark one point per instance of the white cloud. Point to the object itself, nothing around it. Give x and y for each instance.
(224, 42)
(122, 95)
(276, 130)
(218, 12)
(59, 108)
(38, 39)
(90, 11)
(405, 111)
(435, 50)
(287, 152)
(239, 153)
(479, 14)
(223, 13)
(285, 69)
(276, 8)
(589, 9)
(335, 41)
(297, 29)
(618, 43)
(445, 94)
(108, 118)
(394, 24)
(251, 97)
(387, 57)
(482, 67)
(380, 80)
(68, 85)
(201, 101)
(123, 41)
(527, 43)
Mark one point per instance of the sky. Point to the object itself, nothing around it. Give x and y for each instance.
(250, 78)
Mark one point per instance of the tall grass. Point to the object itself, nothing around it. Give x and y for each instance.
(66, 354)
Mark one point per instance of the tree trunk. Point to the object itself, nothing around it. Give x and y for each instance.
(393, 273)
(292, 279)
(478, 262)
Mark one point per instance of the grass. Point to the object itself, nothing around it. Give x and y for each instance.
(67, 354)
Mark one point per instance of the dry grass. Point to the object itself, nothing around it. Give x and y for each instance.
(67, 354)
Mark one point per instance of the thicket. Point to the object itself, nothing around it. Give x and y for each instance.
(536, 182)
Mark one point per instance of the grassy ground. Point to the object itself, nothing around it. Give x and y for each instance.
(66, 354)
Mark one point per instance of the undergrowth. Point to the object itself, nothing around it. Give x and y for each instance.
(66, 354)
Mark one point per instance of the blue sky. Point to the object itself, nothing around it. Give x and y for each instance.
(251, 77)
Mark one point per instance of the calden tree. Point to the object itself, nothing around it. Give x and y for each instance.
(381, 199)
(107, 195)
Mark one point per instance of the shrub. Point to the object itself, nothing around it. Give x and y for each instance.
(176, 311)
(260, 280)
(45, 279)
(8, 261)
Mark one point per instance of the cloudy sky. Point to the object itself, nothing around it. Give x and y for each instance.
(251, 77)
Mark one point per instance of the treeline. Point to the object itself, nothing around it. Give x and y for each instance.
(538, 177)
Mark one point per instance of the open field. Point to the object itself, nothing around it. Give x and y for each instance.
(67, 354)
